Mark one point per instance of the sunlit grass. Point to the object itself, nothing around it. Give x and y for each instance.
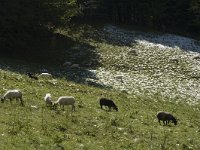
(151, 78)
(134, 127)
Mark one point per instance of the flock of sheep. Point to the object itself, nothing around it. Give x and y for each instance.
(166, 117)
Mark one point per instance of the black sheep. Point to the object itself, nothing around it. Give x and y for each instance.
(30, 75)
(107, 102)
(166, 117)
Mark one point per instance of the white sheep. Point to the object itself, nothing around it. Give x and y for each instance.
(45, 75)
(48, 99)
(10, 94)
(65, 100)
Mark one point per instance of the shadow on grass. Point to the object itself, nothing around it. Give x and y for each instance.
(48, 55)
(54, 50)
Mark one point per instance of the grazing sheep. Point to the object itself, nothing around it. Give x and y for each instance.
(166, 117)
(45, 75)
(30, 75)
(10, 94)
(65, 100)
(108, 102)
(48, 100)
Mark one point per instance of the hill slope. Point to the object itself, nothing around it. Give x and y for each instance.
(139, 62)
(135, 126)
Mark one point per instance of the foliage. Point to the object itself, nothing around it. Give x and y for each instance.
(24, 22)
(195, 9)
(164, 15)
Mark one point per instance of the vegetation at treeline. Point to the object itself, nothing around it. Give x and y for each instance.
(164, 15)
(27, 25)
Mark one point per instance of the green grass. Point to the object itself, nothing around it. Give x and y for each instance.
(134, 127)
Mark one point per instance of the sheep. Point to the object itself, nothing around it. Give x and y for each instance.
(10, 94)
(166, 117)
(107, 102)
(65, 100)
(30, 75)
(48, 100)
(45, 75)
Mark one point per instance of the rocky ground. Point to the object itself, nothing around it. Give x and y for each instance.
(148, 63)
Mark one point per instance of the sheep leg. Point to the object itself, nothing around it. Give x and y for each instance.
(167, 121)
(54, 107)
(21, 100)
(73, 108)
(63, 107)
(101, 107)
(163, 122)
(159, 121)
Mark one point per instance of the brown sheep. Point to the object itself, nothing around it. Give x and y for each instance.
(166, 117)
(107, 102)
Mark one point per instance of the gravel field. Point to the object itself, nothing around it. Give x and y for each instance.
(139, 63)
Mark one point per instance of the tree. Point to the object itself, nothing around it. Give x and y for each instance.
(195, 11)
(23, 22)
(167, 15)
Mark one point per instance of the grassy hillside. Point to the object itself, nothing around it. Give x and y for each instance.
(134, 126)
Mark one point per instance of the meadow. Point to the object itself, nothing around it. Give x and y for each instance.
(134, 126)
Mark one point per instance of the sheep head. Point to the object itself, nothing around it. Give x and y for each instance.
(174, 121)
(116, 108)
